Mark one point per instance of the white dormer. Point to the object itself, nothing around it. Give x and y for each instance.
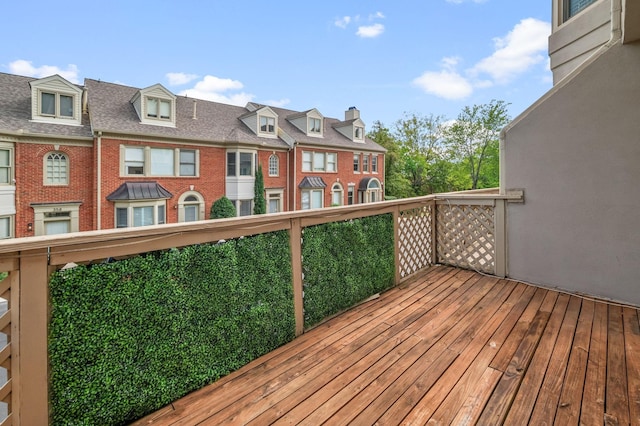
(155, 105)
(310, 122)
(55, 100)
(263, 121)
(352, 127)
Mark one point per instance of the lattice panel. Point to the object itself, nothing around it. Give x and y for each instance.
(465, 236)
(414, 240)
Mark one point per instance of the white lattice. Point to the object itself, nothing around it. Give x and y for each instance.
(465, 236)
(414, 239)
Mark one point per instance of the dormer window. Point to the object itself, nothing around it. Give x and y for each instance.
(315, 125)
(158, 108)
(155, 106)
(358, 133)
(56, 105)
(267, 124)
(55, 100)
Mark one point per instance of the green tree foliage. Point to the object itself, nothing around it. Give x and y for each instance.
(259, 202)
(473, 140)
(396, 184)
(221, 208)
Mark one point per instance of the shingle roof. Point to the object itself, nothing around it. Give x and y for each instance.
(15, 112)
(312, 182)
(139, 191)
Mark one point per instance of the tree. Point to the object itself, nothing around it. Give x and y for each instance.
(259, 203)
(396, 185)
(474, 138)
(221, 208)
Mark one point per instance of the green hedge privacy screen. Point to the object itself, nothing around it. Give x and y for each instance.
(131, 336)
(344, 263)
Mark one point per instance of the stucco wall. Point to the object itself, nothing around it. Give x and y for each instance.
(577, 156)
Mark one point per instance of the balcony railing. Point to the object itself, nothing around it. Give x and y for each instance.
(464, 229)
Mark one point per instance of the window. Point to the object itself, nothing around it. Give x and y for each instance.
(358, 132)
(365, 163)
(6, 165)
(336, 195)
(312, 199)
(53, 219)
(146, 161)
(267, 124)
(240, 163)
(350, 192)
(374, 164)
(140, 214)
(56, 169)
(370, 191)
(159, 108)
(5, 227)
(190, 207)
(315, 125)
(356, 163)
(274, 201)
(274, 165)
(319, 161)
(573, 7)
(243, 207)
(56, 105)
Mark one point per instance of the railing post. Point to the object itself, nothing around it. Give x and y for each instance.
(434, 232)
(500, 232)
(295, 235)
(34, 320)
(396, 243)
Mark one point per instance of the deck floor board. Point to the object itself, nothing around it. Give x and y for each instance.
(447, 347)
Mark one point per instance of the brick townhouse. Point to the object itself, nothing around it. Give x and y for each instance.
(104, 155)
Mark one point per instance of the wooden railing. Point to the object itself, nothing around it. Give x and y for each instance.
(466, 230)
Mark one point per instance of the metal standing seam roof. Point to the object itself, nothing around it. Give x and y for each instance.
(130, 191)
(312, 182)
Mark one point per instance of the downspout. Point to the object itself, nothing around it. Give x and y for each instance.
(295, 168)
(288, 180)
(99, 184)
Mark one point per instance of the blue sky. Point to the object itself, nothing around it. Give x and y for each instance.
(385, 57)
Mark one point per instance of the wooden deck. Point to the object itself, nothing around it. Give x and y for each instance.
(451, 347)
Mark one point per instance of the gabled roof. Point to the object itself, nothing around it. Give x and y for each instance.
(130, 191)
(15, 112)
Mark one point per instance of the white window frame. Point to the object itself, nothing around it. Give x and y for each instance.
(358, 133)
(9, 167)
(310, 158)
(372, 195)
(337, 194)
(315, 125)
(269, 124)
(147, 163)
(240, 204)
(274, 195)
(132, 205)
(8, 220)
(356, 163)
(309, 193)
(365, 163)
(56, 105)
(374, 163)
(183, 204)
(351, 194)
(49, 167)
(274, 165)
(160, 101)
(42, 212)
(237, 154)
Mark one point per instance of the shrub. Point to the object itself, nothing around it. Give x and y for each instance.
(221, 208)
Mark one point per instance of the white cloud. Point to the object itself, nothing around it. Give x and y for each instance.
(524, 47)
(370, 31)
(213, 88)
(279, 103)
(180, 78)
(377, 15)
(342, 22)
(447, 84)
(26, 68)
(520, 50)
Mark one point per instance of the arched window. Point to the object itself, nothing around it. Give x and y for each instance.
(337, 195)
(56, 169)
(274, 165)
(190, 207)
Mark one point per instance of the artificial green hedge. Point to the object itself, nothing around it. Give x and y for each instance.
(129, 337)
(344, 263)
